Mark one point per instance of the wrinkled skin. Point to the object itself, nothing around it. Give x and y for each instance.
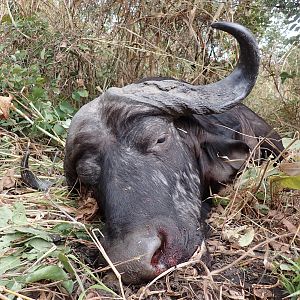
(150, 173)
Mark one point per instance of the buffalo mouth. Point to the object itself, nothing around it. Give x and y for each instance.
(143, 254)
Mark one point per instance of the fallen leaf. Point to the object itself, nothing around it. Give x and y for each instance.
(51, 272)
(269, 265)
(8, 181)
(262, 293)
(215, 245)
(272, 213)
(43, 296)
(231, 234)
(281, 247)
(88, 210)
(237, 295)
(291, 227)
(5, 216)
(9, 263)
(290, 168)
(275, 245)
(68, 209)
(63, 44)
(290, 182)
(93, 295)
(5, 104)
(277, 215)
(288, 141)
(247, 237)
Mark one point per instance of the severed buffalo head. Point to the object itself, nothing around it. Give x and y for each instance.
(152, 151)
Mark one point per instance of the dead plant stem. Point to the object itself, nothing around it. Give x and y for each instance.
(20, 296)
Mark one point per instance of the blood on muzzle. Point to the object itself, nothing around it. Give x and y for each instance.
(143, 254)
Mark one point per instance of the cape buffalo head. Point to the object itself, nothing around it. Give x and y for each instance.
(150, 156)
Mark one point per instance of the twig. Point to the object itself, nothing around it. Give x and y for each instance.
(296, 234)
(69, 15)
(216, 272)
(103, 252)
(2, 297)
(20, 296)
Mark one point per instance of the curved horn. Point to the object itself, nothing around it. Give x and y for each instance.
(177, 98)
(30, 179)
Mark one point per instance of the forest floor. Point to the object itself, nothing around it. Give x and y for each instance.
(48, 240)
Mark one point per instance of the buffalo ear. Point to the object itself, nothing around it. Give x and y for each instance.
(225, 157)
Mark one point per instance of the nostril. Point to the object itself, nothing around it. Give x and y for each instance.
(156, 259)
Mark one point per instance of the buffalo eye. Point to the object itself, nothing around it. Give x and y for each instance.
(159, 143)
(161, 140)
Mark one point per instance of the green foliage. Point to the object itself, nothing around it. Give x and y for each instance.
(27, 249)
(290, 277)
(289, 177)
(291, 182)
(24, 72)
(51, 273)
(285, 75)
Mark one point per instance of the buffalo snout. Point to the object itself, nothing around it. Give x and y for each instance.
(146, 251)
